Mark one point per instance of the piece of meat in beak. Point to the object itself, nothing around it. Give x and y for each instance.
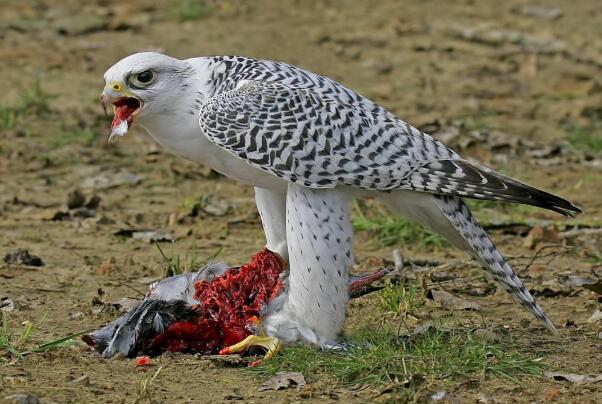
(124, 109)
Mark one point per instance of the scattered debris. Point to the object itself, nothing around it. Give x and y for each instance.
(441, 276)
(205, 206)
(483, 398)
(449, 301)
(573, 378)
(551, 288)
(23, 257)
(398, 260)
(544, 13)
(81, 24)
(596, 316)
(590, 283)
(75, 199)
(227, 360)
(421, 329)
(125, 304)
(148, 236)
(283, 380)
(83, 379)
(76, 315)
(107, 267)
(6, 304)
(22, 399)
(444, 396)
(538, 234)
(497, 37)
(106, 181)
(485, 335)
(143, 361)
(81, 213)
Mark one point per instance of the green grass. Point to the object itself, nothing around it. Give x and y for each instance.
(83, 136)
(479, 205)
(32, 100)
(19, 343)
(188, 10)
(382, 358)
(145, 387)
(586, 139)
(12, 342)
(475, 123)
(176, 265)
(392, 230)
(399, 299)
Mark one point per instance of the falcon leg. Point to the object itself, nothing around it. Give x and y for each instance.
(271, 346)
(319, 236)
(272, 210)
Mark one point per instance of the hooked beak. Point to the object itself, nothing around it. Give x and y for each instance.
(125, 107)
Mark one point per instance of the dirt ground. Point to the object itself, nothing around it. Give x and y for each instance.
(515, 86)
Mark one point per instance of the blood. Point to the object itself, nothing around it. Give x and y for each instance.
(124, 108)
(230, 305)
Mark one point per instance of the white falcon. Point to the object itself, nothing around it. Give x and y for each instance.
(308, 145)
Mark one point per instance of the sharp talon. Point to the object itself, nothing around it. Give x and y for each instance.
(270, 344)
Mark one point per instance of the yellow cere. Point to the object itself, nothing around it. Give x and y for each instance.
(115, 86)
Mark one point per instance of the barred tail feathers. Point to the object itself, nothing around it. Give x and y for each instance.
(484, 250)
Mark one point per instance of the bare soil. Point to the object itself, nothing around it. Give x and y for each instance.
(503, 85)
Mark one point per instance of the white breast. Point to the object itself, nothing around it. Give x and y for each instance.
(182, 136)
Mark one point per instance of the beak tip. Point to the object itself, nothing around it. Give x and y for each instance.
(103, 104)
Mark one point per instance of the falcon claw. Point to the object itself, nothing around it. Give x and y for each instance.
(271, 345)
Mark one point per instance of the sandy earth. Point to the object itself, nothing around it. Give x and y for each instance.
(502, 83)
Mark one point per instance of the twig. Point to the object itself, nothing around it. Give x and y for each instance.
(542, 248)
(131, 288)
(39, 289)
(397, 260)
(580, 232)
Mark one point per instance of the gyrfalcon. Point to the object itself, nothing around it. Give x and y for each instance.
(309, 145)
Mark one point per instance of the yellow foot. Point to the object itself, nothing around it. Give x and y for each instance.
(271, 345)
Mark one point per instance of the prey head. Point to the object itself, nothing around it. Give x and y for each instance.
(140, 86)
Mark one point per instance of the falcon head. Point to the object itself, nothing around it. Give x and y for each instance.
(141, 86)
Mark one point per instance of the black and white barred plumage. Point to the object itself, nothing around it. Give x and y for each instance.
(289, 131)
(313, 131)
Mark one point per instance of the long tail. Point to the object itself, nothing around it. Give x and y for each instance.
(459, 215)
(471, 180)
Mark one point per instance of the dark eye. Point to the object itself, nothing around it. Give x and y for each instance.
(143, 79)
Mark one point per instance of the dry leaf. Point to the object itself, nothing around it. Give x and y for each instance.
(573, 378)
(597, 316)
(107, 267)
(111, 180)
(125, 304)
(425, 328)
(485, 335)
(283, 380)
(23, 257)
(148, 236)
(538, 234)
(6, 304)
(449, 301)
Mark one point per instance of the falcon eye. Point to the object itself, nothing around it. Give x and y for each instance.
(143, 79)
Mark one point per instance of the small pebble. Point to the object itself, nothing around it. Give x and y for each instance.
(485, 335)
